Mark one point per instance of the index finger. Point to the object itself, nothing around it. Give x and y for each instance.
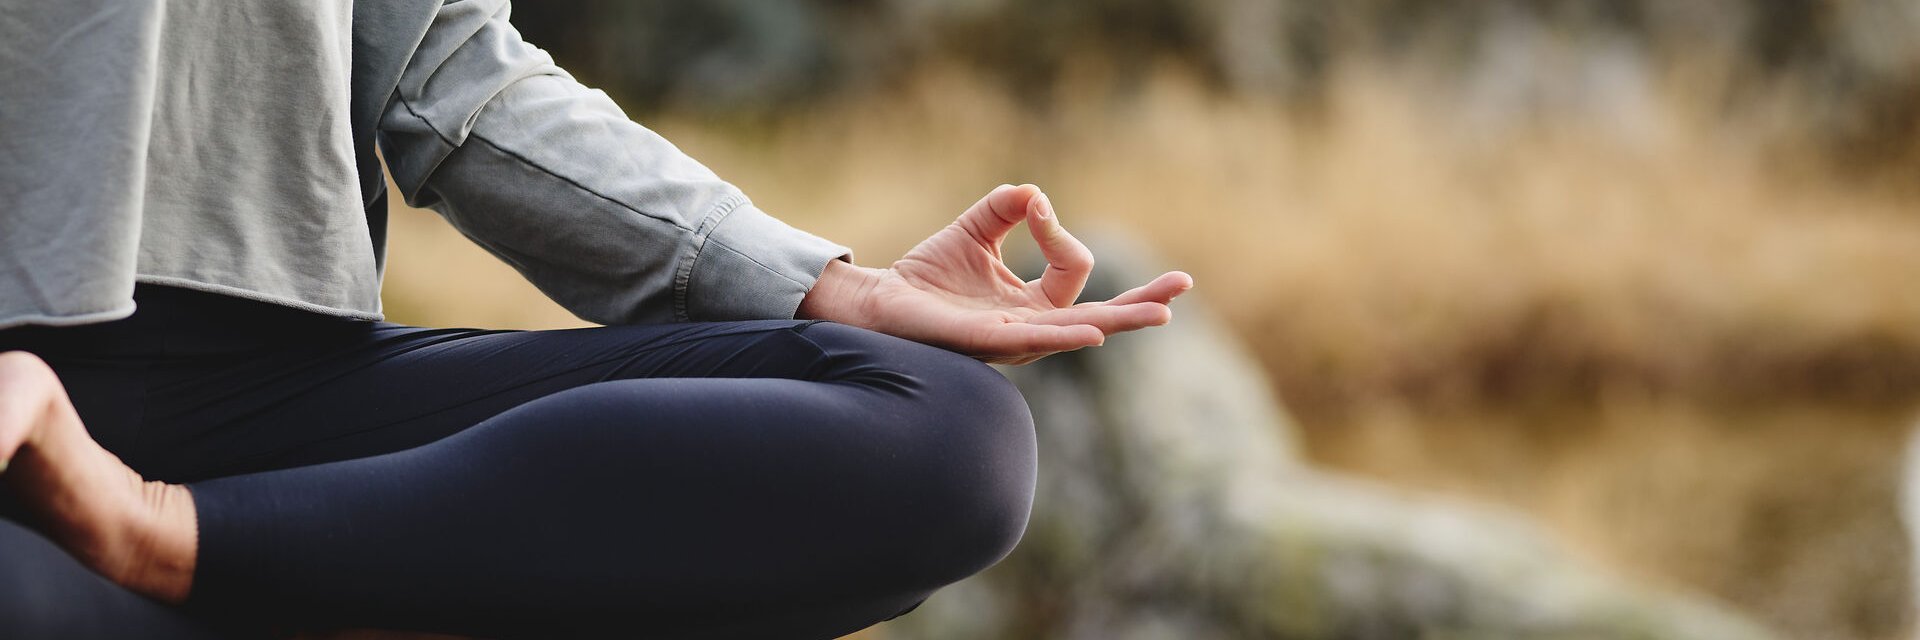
(1069, 263)
(990, 219)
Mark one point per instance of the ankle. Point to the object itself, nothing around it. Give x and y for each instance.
(162, 538)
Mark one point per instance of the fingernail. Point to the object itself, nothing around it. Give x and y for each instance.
(1046, 207)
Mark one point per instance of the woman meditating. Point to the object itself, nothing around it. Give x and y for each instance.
(208, 431)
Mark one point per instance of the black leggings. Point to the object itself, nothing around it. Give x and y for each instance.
(763, 479)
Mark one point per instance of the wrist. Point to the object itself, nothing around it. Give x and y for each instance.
(839, 294)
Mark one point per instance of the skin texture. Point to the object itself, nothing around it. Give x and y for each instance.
(953, 291)
(142, 535)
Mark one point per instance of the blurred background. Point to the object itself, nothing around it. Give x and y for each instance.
(1551, 318)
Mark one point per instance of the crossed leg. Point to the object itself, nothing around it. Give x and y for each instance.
(727, 480)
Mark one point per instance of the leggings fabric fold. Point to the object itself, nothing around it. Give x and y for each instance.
(761, 479)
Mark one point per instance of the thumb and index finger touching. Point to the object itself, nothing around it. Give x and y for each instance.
(1069, 262)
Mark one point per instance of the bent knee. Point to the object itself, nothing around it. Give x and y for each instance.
(973, 459)
(978, 525)
(955, 526)
(979, 482)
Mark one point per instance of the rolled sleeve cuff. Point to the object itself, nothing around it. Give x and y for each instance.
(744, 264)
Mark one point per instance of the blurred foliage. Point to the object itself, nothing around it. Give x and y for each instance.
(1855, 65)
(1625, 265)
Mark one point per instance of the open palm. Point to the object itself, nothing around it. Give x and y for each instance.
(954, 289)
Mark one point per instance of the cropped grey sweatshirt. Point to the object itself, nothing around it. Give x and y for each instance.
(225, 145)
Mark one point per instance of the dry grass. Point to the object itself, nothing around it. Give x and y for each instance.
(1681, 352)
(1391, 247)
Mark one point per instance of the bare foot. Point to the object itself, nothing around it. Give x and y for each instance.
(141, 535)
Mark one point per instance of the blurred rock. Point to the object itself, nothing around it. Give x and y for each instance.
(1172, 504)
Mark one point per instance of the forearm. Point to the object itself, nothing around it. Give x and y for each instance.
(608, 218)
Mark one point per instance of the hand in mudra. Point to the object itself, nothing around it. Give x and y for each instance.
(955, 291)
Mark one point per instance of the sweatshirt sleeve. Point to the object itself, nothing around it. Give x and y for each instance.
(603, 215)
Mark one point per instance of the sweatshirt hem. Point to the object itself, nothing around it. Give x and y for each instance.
(117, 313)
